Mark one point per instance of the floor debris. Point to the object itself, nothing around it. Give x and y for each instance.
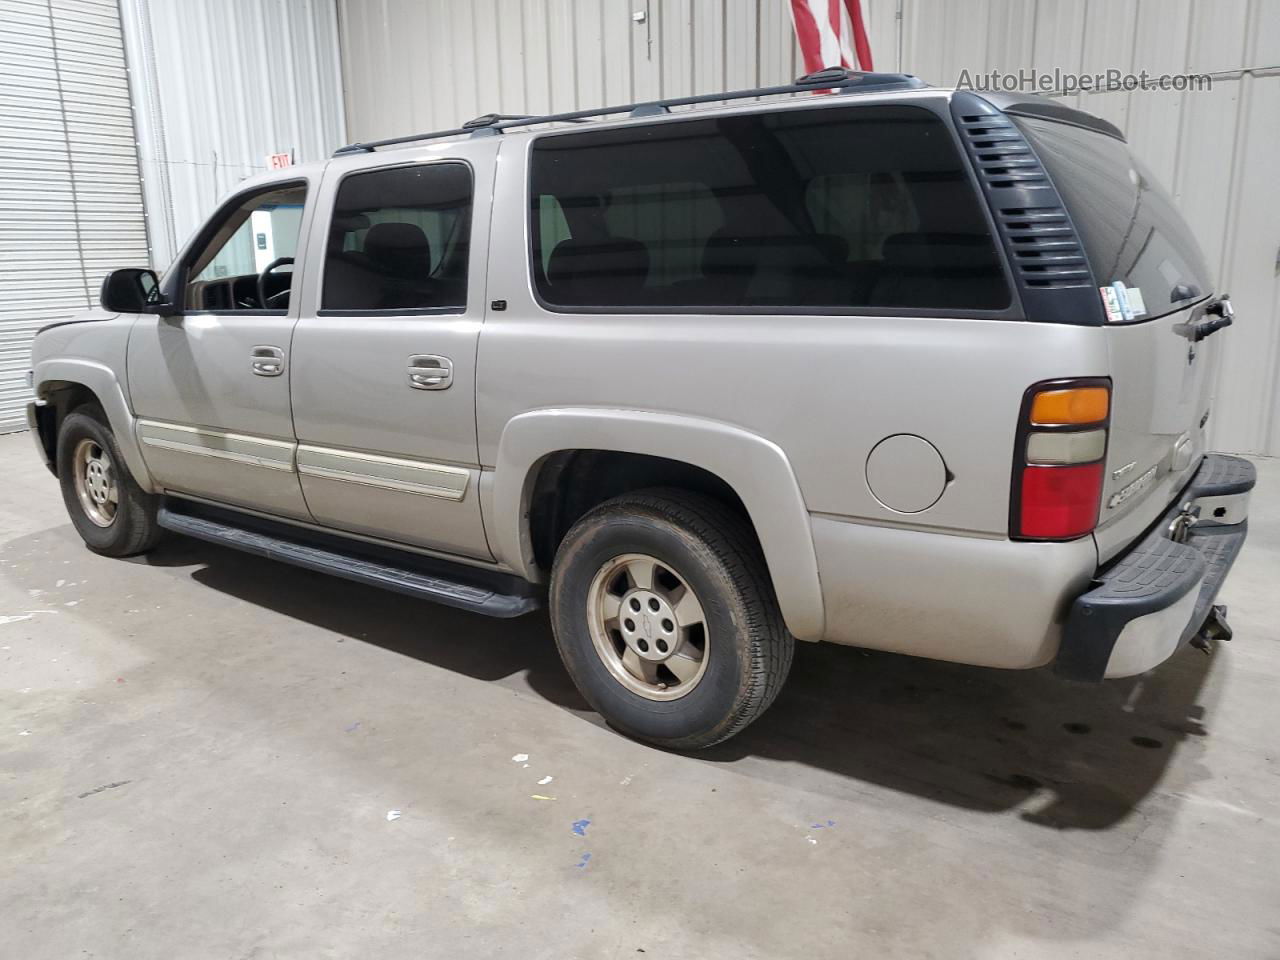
(393, 815)
(105, 786)
(580, 827)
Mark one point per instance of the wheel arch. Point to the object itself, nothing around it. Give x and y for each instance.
(64, 384)
(737, 463)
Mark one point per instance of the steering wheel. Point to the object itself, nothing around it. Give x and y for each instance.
(268, 302)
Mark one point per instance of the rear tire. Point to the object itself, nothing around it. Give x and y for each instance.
(112, 514)
(666, 619)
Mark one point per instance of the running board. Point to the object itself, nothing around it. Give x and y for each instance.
(491, 593)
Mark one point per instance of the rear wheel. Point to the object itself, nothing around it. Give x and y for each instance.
(112, 514)
(666, 620)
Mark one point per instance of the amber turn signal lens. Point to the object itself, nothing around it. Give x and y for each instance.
(1064, 407)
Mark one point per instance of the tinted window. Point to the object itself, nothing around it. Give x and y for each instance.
(839, 207)
(1127, 223)
(255, 235)
(399, 240)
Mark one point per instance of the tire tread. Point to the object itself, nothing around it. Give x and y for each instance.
(729, 537)
(139, 530)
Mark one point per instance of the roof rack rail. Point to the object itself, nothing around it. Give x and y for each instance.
(835, 79)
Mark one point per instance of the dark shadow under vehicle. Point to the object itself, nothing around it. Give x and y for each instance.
(1065, 756)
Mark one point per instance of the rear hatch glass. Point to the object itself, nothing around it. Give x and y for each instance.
(1154, 283)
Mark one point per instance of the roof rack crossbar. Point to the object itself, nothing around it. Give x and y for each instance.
(834, 79)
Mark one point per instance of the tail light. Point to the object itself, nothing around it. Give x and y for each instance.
(1059, 459)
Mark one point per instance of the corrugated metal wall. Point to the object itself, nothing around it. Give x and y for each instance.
(425, 64)
(70, 204)
(219, 85)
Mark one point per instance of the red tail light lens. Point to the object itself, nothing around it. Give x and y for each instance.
(1059, 503)
(1059, 459)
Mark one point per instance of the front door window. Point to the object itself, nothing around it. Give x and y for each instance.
(247, 264)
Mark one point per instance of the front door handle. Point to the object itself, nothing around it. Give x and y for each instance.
(267, 361)
(430, 372)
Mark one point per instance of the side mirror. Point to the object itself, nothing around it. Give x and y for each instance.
(133, 290)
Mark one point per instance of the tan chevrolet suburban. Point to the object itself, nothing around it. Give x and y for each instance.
(899, 367)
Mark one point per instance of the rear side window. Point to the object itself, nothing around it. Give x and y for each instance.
(1129, 227)
(860, 207)
(399, 240)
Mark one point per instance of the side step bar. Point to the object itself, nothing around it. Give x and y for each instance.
(493, 594)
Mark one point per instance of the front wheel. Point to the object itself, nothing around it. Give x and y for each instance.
(112, 514)
(665, 617)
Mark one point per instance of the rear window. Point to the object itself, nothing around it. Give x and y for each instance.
(860, 207)
(399, 239)
(1131, 231)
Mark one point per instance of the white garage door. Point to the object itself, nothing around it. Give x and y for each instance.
(70, 197)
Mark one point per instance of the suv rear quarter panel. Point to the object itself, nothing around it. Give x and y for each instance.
(824, 389)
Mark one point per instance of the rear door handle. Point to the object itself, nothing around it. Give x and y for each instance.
(427, 371)
(267, 361)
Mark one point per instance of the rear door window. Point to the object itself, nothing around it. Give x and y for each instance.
(399, 241)
(833, 209)
(1131, 231)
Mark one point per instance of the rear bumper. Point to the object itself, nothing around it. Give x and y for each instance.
(1158, 595)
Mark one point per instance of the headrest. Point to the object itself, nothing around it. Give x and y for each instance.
(610, 261)
(833, 247)
(348, 223)
(401, 248)
(938, 251)
(726, 253)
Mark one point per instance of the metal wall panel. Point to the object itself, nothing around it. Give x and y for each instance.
(428, 64)
(218, 85)
(70, 201)
(412, 65)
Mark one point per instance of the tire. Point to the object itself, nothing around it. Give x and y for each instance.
(698, 544)
(131, 528)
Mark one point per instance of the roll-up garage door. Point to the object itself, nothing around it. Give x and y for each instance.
(70, 195)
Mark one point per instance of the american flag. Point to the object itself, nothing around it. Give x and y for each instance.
(831, 34)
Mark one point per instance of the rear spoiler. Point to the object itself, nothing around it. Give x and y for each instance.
(1042, 108)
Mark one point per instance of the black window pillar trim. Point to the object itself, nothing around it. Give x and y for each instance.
(1051, 274)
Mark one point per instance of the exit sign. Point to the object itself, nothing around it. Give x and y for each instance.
(278, 161)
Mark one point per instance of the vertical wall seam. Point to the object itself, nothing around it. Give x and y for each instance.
(131, 92)
(66, 144)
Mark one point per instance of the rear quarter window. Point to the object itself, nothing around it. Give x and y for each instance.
(1130, 229)
(857, 208)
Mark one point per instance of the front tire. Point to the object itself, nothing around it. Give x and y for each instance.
(112, 514)
(666, 619)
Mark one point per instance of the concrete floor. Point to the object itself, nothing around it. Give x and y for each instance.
(200, 752)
